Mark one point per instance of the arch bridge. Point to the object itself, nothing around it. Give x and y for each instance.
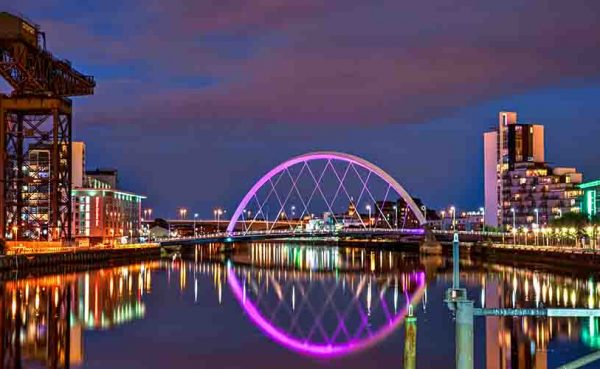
(322, 194)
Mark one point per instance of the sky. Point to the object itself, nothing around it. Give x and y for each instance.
(196, 99)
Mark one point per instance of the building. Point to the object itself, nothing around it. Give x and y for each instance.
(77, 164)
(397, 214)
(102, 213)
(590, 200)
(103, 178)
(521, 189)
(463, 221)
(106, 216)
(534, 193)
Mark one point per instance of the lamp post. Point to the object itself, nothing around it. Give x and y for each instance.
(195, 217)
(482, 211)
(453, 211)
(443, 214)
(368, 207)
(424, 208)
(514, 227)
(217, 213)
(512, 210)
(396, 216)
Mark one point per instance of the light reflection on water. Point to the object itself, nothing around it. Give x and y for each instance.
(311, 306)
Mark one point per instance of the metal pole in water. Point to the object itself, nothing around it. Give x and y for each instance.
(455, 262)
(464, 334)
(410, 340)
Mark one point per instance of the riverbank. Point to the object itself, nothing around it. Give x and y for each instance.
(83, 257)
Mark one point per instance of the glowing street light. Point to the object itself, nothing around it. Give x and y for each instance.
(453, 211)
(217, 213)
(443, 214)
(396, 218)
(482, 211)
(512, 210)
(195, 217)
(368, 207)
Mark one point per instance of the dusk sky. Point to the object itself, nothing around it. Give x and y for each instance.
(196, 99)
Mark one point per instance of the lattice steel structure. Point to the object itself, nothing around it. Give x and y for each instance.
(35, 134)
(339, 184)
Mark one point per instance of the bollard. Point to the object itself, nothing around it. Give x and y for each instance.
(464, 334)
(455, 262)
(410, 340)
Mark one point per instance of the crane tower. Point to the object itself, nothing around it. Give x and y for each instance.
(35, 134)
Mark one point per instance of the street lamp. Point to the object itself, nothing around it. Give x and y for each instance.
(424, 208)
(368, 207)
(482, 211)
(443, 214)
(217, 213)
(195, 217)
(512, 210)
(453, 211)
(396, 217)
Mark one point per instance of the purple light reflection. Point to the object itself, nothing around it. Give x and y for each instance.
(314, 349)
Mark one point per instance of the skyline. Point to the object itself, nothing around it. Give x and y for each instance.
(335, 89)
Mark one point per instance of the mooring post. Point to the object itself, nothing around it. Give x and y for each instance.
(455, 262)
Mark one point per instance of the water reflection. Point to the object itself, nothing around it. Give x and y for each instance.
(316, 301)
(322, 307)
(42, 319)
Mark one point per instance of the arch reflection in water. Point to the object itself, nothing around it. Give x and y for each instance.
(319, 302)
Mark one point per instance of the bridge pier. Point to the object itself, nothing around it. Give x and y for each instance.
(430, 245)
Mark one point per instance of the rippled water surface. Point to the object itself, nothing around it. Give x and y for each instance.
(294, 306)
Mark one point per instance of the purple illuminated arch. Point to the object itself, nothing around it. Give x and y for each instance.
(319, 349)
(325, 155)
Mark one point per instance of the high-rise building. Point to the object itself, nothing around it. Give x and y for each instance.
(77, 164)
(519, 185)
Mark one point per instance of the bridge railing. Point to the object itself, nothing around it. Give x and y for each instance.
(293, 232)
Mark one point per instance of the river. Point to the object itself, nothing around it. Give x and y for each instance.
(290, 305)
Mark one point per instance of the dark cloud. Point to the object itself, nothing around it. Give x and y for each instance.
(339, 61)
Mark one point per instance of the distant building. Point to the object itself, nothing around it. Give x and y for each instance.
(520, 186)
(77, 164)
(397, 214)
(590, 198)
(103, 178)
(465, 221)
(106, 216)
(102, 213)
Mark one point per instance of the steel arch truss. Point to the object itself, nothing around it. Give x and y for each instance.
(341, 168)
